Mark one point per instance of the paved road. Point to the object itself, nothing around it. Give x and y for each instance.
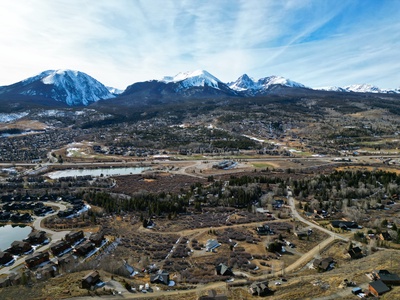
(55, 236)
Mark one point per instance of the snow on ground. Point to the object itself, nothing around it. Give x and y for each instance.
(4, 118)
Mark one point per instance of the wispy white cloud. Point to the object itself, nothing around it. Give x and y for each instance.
(123, 41)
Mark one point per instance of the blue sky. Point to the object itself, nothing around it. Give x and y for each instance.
(119, 42)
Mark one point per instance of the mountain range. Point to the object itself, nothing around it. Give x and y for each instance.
(74, 88)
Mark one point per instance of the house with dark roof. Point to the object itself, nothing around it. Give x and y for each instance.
(378, 288)
(160, 277)
(37, 259)
(19, 248)
(60, 248)
(260, 289)
(345, 225)
(97, 238)
(385, 236)
(36, 238)
(89, 280)
(264, 230)
(355, 252)
(386, 277)
(5, 258)
(66, 262)
(84, 249)
(124, 269)
(323, 265)
(74, 237)
(47, 271)
(223, 270)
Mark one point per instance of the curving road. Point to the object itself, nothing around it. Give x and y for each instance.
(296, 215)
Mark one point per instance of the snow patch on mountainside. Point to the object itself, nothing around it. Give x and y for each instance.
(363, 88)
(330, 89)
(114, 91)
(4, 118)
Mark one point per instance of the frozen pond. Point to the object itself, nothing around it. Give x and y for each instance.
(11, 233)
(97, 172)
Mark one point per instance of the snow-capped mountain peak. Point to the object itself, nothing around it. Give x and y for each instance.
(275, 80)
(71, 87)
(243, 83)
(195, 78)
(246, 84)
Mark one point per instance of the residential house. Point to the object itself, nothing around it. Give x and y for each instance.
(378, 288)
(386, 277)
(223, 270)
(19, 248)
(323, 265)
(47, 271)
(67, 262)
(74, 237)
(60, 248)
(385, 236)
(36, 259)
(5, 258)
(345, 225)
(36, 237)
(84, 248)
(212, 245)
(355, 252)
(264, 230)
(260, 289)
(160, 277)
(125, 270)
(89, 281)
(97, 238)
(5, 216)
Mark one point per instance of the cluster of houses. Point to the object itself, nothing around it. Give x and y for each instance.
(382, 282)
(41, 262)
(126, 151)
(24, 247)
(76, 242)
(18, 248)
(6, 216)
(12, 204)
(77, 205)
